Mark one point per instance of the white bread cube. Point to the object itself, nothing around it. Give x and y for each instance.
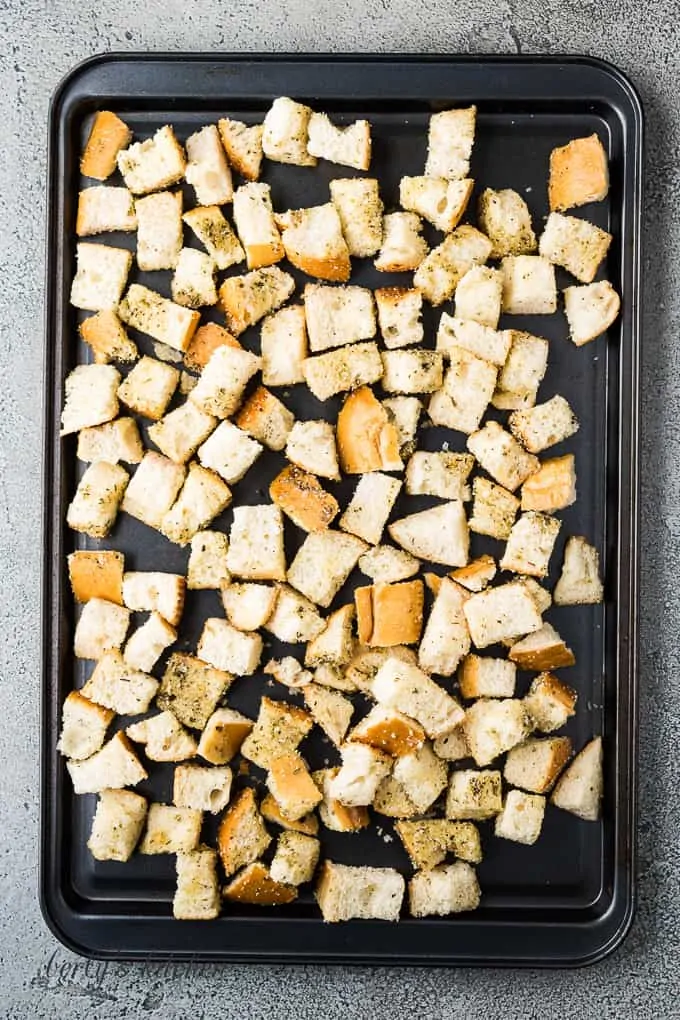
(296, 858)
(549, 703)
(543, 425)
(216, 235)
(180, 432)
(243, 146)
(474, 337)
(404, 687)
(117, 825)
(149, 387)
(223, 735)
(193, 282)
(494, 509)
(530, 545)
(349, 146)
(207, 567)
(479, 295)
(202, 788)
(119, 687)
(159, 230)
(102, 626)
(477, 574)
(164, 738)
(153, 489)
(303, 499)
(323, 563)
(197, 896)
(474, 795)
(390, 731)
(520, 377)
(83, 726)
(505, 218)
(334, 815)
(292, 786)
(344, 369)
(333, 677)
(501, 456)
(536, 764)
(449, 889)
(578, 173)
(529, 286)
(283, 343)
(311, 446)
(399, 311)
(469, 385)
(229, 451)
(579, 789)
(367, 438)
(446, 639)
(428, 841)
(439, 534)
(94, 507)
(483, 677)
(521, 819)
(106, 336)
(344, 892)
(363, 767)
(579, 583)
(255, 886)
(220, 387)
(359, 206)
(385, 564)
(439, 201)
(450, 139)
(330, 710)
(285, 133)
(108, 135)
(440, 272)
(151, 313)
(295, 619)
(191, 689)
(113, 767)
(229, 649)
(289, 672)
(422, 775)
(412, 371)
(404, 414)
(114, 441)
(575, 244)
(403, 246)
(154, 163)
(452, 746)
(493, 726)
(334, 646)
(171, 830)
(590, 310)
(543, 649)
(552, 487)
(91, 397)
(278, 730)
(256, 544)
(370, 506)
(497, 614)
(202, 498)
(314, 242)
(155, 591)
(207, 169)
(365, 663)
(145, 647)
(242, 836)
(249, 606)
(337, 316)
(102, 209)
(102, 273)
(257, 230)
(389, 614)
(247, 299)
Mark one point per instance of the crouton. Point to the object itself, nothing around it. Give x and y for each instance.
(334, 645)
(477, 574)
(83, 726)
(501, 456)
(439, 474)
(207, 567)
(390, 731)
(193, 283)
(201, 788)
(370, 506)
(427, 842)
(404, 414)
(159, 230)
(101, 276)
(148, 643)
(404, 687)
(283, 343)
(105, 334)
(111, 442)
(207, 169)
(323, 563)
(334, 677)
(478, 298)
(336, 816)
(536, 764)
(505, 219)
(248, 606)
(117, 825)
(296, 858)
(367, 439)
(153, 164)
(171, 830)
(499, 613)
(229, 649)
(452, 746)
(202, 498)
(543, 649)
(279, 729)
(149, 591)
(257, 230)
(440, 201)
(266, 418)
(271, 812)
(229, 451)
(392, 800)
(457, 334)
(113, 767)
(247, 299)
(204, 342)
(385, 564)
(103, 209)
(91, 397)
(153, 489)
(365, 663)
(94, 507)
(220, 388)
(529, 286)
(162, 319)
(357, 200)
(449, 889)
(330, 710)
(216, 235)
(450, 139)
(544, 425)
(344, 369)
(179, 434)
(422, 775)
(256, 544)
(493, 510)
(362, 769)
(530, 544)
(344, 892)
(575, 244)
(474, 795)
(399, 311)
(197, 896)
(493, 726)
(521, 819)
(579, 583)
(149, 387)
(549, 702)
(412, 371)
(289, 672)
(469, 385)
(243, 146)
(223, 735)
(314, 242)
(579, 788)
(482, 677)
(254, 885)
(102, 625)
(292, 786)
(446, 639)
(301, 497)
(439, 273)
(539, 594)
(96, 575)
(590, 310)
(107, 137)
(390, 614)
(349, 146)
(286, 132)
(295, 619)
(552, 487)
(578, 173)
(164, 738)
(403, 246)
(337, 316)
(439, 534)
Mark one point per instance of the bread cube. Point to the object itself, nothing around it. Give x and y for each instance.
(247, 299)
(477, 574)
(296, 858)
(285, 133)
(579, 789)
(402, 686)
(201, 788)
(549, 703)
(539, 594)
(159, 230)
(452, 746)
(255, 886)
(478, 297)
(344, 369)
(579, 583)
(256, 544)
(386, 564)
(249, 606)
(536, 764)
(427, 842)
(543, 425)
(228, 649)
(357, 200)
(207, 169)
(83, 726)
(105, 334)
(162, 319)
(368, 440)
(363, 767)
(440, 272)
(207, 567)
(102, 625)
(149, 387)
(578, 173)
(403, 246)
(412, 371)
(449, 889)
(301, 497)
(119, 686)
(91, 397)
(474, 795)
(349, 146)
(111, 442)
(344, 892)
(171, 830)
(576, 245)
(404, 414)
(336, 316)
(266, 418)
(243, 146)
(154, 591)
(295, 618)
(223, 734)
(311, 446)
(102, 273)
(543, 649)
(530, 545)
(529, 286)
(330, 710)
(482, 677)
(204, 342)
(216, 235)
(108, 135)
(197, 896)
(229, 451)
(103, 209)
(220, 387)
(505, 218)
(283, 342)
(493, 726)
(96, 574)
(590, 310)
(94, 507)
(494, 509)
(153, 489)
(323, 563)
(336, 816)
(202, 498)
(289, 672)
(113, 767)
(552, 487)
(180, 432)
(500, 613)
(257, 230)
(278, 731)
(117, 825)
(390, 731)
(193, 283)
(335, 644)
(469, 385)
(154, 163)
(450, 139)
(390, 614)
(164, 738)
(365, 663)
(370, 506)
(314, 242)
(447, 638)
(422, 775)
(521, 819)
(399, 311)
(439, 534)
(501, 456)
(292, 786)
(439, 201)
(148, 643)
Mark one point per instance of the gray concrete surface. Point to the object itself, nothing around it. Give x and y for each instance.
(39, 41)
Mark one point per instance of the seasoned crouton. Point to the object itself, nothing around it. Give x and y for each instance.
(484, 342)
(427, 842)
(404, 414)
(153, 164)
(449, 889)
(337, 316)
(389, 731)
(365, 663)
(207, 169)
(492, 726)
(114, 767)
(360, 209)
(387, 564)
(248, 606)
(447, 638)
(111, 442)
(216, 235)
(164, 738)
(543, 425)
(266, 418)
(576, 245)
(311, 446)
(590, 310)
(247, 299)
(289, 672)
(439, 273)
(536, 764)
(286, 133)
(314, 242)
(292, 786)
(229, 451)
(204, 342)
(349, 146)
(344, 892)
(202, 498)
(334, 677)
(334, 645)
(279, 729)
(102, 626)
(171, 830)
(478, 297)
(283, 340)
(482, 677)
(153, 489)
(220, 387)
(468, 387)
(302, 498)
(243, 146)
(521, 819)
(229, 649)
(408, 689)
(336, 816)
(474, 795)
(193, 283)
(578, 173)
(440, 201)
(367, 439)
(105, 334)
(390, 614)
(530, 544)
(148, 643)
(501, 456)
(399, 311)
(412, 371)
(362, 769)
(549, 702)
(439, 474)
(579, 789)
(207, 566)
(449, 144)
(101, 276)
(149, 387)
(197, 896)
(96, 575)
(256, 544)
(91, 397)
(493, 510)
(257, 230)
(344, 369)
(159, 230)
(477, 574)
(543, 649)
(403, 246)
(439, 534)
(254, 885)
(452, 746)
(162, 319)
(149, 591)
(323, 563)
(108, 135)
(552, 487)
(94, 508)
(83, 726)
(295, 618)
(179, 433)
(499, 613)
(422, 776)
(271, 812)
(539, 594)
(579, 582)
(505, 219)
(223, 735)
(296, 858)
(370, 506)
(330, 710)
(529, 286)
(103, 209)
(117, 825)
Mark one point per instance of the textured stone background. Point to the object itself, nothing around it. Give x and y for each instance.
(39, 42)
